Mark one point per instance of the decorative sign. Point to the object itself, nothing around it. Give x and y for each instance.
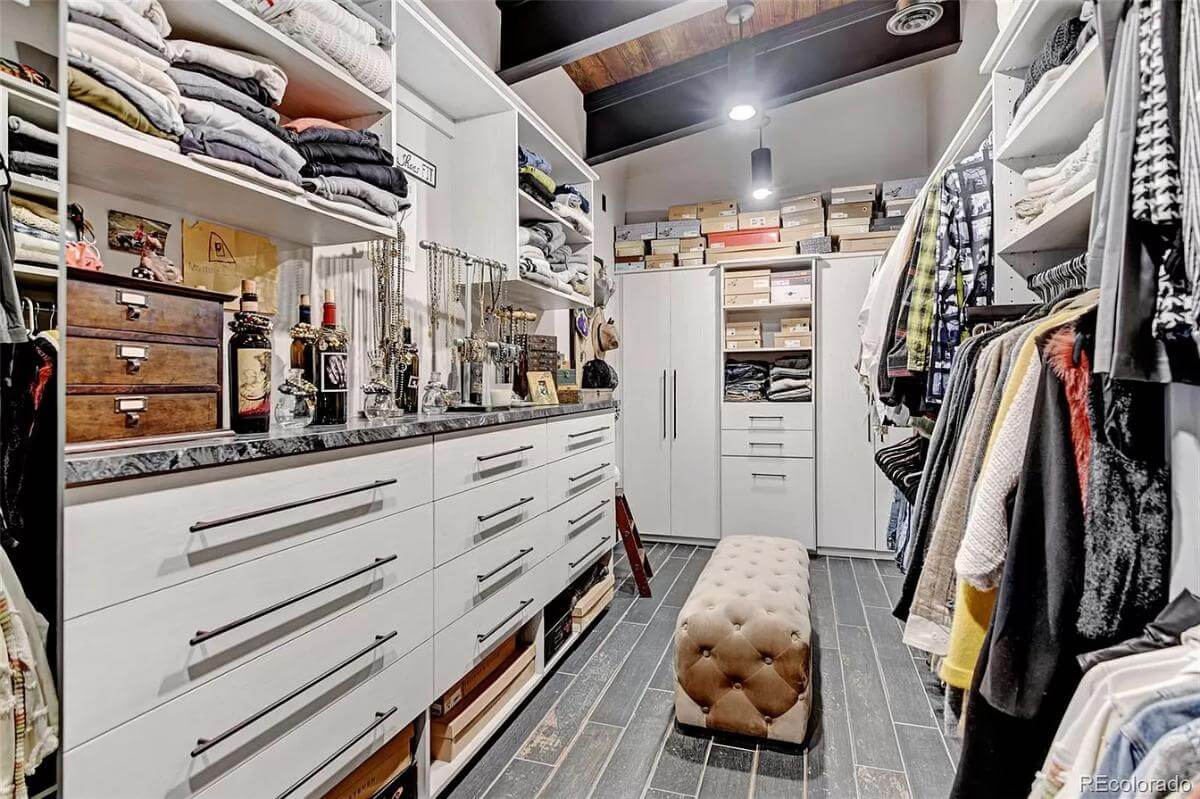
(220, 258)
(420, 168)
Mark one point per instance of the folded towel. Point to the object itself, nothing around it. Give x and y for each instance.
(233, 146)
(232, 63)
(368, 63)
(202, 112)
(24, 135)
(389, 178)
(154, 106)
(339, 188)
(122, 16)
(117, 32)
(141, 67)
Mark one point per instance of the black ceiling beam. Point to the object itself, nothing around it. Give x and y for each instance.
(539, 35)
(806, 58)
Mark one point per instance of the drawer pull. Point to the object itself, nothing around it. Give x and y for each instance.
(207, 635)
(780, 418)
(132, 407)
(593, 431)
(133, 355)
(254, 514)
(484, 636)
(766, 443)
(590, 552)
(504, 565)
(769, 474)
(204, 744)
(588, 512)
(134, 303)
(380, 718)
(483, 458)
(505, 509)
(604, 465)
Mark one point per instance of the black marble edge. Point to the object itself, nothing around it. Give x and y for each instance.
(143, 461)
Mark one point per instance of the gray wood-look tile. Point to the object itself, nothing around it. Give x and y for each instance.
(632, 761)
(522, 779)
(496, 755)
(660, 585)
(595, 635)
(574, 777)
(619, 701)
(682, 761)
(727, 775)
(846, 601)
(870, 722)
(888, 568)
(780, 773)
(679, 592)
(830, 755)
(870, 585)
(818, 563)
(906, 695)
(894, 585)
(822, 615)
(664, 675)
(876, 783)
(683, 551)
(656, 794)
(925, 760)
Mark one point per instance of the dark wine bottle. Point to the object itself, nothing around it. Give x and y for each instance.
(409, 374)
(333, 367)
(304, 342)
(250, 366)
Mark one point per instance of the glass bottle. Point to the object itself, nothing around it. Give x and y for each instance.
(304, 338)
(434, 401)
(250, 366)
(332, 366)
(408, 378)
(296, 398)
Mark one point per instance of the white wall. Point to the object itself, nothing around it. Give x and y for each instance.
(953, 83)
(559, 102)
(476, 22)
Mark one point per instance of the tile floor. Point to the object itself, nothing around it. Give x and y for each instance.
(602, 725)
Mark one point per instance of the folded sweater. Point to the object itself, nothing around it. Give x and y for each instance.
(116, 32)
(160, 111)
(232, 63)
(77, 31)
(339, 188)
(389, 178)
(202, 112)
(338, 152)
(371, 65)
(202, 87)
(140, 67)
(230, 144)
(24, 135)
(122, 16)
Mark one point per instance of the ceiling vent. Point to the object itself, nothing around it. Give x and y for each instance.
(913, 16)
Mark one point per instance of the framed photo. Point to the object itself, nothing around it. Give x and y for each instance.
(542, 390)
(136, 234)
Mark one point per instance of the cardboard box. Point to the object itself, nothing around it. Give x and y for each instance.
(379, 770)
(747, 300)
(816, 246)
(791, 278)
(758, 220)
(801, 202)
(640, 231)
(748, 282)
(802, 232)
(629, 259)
(868, 242)
(692, 245)
(852, 228)
(743, 330)
(678, 230)
(626, 248)
(691, 259)
(863, 210)
(886, 223)
(794, 341)
(660, 261)
(813, 216)
(743, 344)
(795, 324)
(853, 194)
(741, 238)
(903, 189)
(484, 669)
(800, 292)
(718, 224)
(897, 207)
(451, 733)
(664, 247)
(712, 209)
(631, 266)
(749, 253)
(679, 212)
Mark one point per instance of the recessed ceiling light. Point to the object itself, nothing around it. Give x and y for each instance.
(913, 16)
(740, 112)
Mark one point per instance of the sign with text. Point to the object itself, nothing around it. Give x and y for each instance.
(420, 168)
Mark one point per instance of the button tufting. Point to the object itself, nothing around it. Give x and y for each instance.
(704, 709)
(737, 626)
(768, 661)
(737, 686)
(706, 653)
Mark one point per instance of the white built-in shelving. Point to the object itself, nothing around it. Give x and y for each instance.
(1061, 226)
(42, 188)
(35, 275)
(1019, 42)
(1062, 118)
(531, 209)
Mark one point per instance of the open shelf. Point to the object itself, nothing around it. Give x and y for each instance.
(43, 188)
(35, 275)
(1061, 227)
(110, 161)
(527, 294)
(1018, 44)
(566, 166)
(1062, 119)
(29, 92)
(769, 349)
(317, 87)
(774, 306)
(531, 209)
(763, 263)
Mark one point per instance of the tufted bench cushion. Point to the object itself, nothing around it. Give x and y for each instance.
(742, 657)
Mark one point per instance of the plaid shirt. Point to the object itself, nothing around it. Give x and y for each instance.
(895, 363)
(922, 309)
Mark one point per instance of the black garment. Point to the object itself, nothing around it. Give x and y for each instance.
(535, 189)
(338, 152)
(389, 178)
(1181, 615)
(1055, 51)
(37, 169)
(247, 86)
(315, 135)
(21, 142)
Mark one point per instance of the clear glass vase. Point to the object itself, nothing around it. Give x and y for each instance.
(296, 399)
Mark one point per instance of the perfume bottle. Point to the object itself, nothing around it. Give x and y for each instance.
(250, 366)
(332, 367)
(434, 401)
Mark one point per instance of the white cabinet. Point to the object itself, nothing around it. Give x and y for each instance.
(670, 410)
(768, 496)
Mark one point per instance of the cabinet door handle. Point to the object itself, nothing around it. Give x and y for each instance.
(207, 635)
(768, 474)
(604, 465)
(589, 553)
(780, 418)
(664, 404)
(674, 404)
(505, 509)
(588, 512)
(593, 431)
(204, 744)
(481, 637)
(254, 514)
(484, 577)
(513, 451)
(380, 718)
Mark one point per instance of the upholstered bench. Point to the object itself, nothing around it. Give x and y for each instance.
(742, 656)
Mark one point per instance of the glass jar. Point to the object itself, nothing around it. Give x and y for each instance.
(434, 400)
(297, 397)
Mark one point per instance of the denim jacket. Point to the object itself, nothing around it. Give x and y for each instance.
(1139, 735)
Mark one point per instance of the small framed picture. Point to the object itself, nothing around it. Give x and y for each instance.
(542, 390)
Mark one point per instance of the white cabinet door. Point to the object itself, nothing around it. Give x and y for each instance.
(845, 465)
(694, 405)
(645, 394)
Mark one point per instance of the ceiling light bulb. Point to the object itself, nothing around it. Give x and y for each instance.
(762, 193)
(740, 112)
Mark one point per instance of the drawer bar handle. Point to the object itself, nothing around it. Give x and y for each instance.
(768, 474)
(207, 635)
(484, 636)
(590, 552)
(588, 512)
(504, 565)
(380, 718)
(604, 465)
(780, 418)
(588, 432)
(254, 514)
(505, 509)
(766, 443)
(483, 458)
(204, 744)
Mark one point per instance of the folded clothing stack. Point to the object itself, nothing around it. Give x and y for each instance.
(746, 381)
(36, 231)
(791, 379)
(544, 246)
(573, 214)
(569, 195)
(347, 171)
(32, 150)
(1047, 185)
(1059, 48)
(338, 30)
(533, 176)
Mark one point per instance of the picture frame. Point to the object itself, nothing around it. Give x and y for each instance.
(542, 388)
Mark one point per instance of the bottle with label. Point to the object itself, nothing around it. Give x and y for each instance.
(408, 376)
(304, 340)
(332, 367)
(250, 366)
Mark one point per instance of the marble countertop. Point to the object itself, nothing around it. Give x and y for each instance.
(176, 456)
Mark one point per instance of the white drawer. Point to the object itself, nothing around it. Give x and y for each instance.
(121, 544)
(130, 658)
(461, 645)
(363, 721)
(464, 521)
(580, 433)
(584, 549)
(590, 511)
(766, 416)
(469, 459)
(572, 476)
(768, 443)
(157, 746)
(469, 580)
(769, 496)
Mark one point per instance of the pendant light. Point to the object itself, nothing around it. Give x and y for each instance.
(743, 81)
(761, 181)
